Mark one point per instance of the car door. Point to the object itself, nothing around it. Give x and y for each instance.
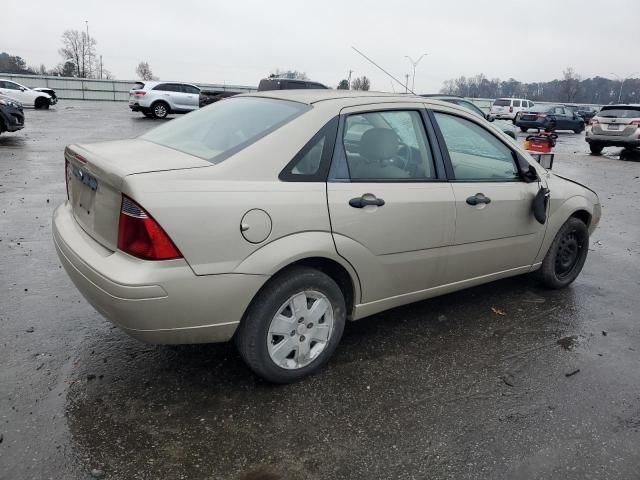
(191, 97)
(563, 122)
(13, 90)
(391, 208)
(496, 231)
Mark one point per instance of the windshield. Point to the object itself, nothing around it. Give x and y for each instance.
(226, 127)
(620, 112)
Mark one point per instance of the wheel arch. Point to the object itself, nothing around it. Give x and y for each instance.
(160, 100)
(318, 252)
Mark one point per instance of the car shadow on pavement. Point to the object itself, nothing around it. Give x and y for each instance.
(198, 406)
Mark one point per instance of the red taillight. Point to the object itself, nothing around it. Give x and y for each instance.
(139, 92)
(540, 115)
(635, 122)
(141, 236)
(510, 109)
(593, 121)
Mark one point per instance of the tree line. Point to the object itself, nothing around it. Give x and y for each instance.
(571, 88)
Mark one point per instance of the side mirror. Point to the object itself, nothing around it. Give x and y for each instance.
(490, 117)
(22, 89)
(530, 174)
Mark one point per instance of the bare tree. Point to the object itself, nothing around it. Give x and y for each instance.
(361, 83)
(79, 49)
(570, 84)
(144, 71)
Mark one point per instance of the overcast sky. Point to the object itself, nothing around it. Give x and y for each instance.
(239, 42)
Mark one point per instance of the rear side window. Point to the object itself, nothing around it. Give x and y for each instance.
(168, 87)
(311, 164)
(516, 103)
(224, 128)
(475, 154)
(618, 112)
(387, 145)
(502, 102)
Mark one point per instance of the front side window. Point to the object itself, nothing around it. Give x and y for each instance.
(224, 128)
(190, 89)
(475, 153)
(387, 145)
(11, 86)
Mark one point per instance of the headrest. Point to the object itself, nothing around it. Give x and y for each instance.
(379, 144)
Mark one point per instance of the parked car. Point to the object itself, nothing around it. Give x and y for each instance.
(587, 112)
(25, 95)
(550, 118)
(272, 219)
(506, 127)
(614, 126)
(208, 97)
(159, 99)
(11, 115)
(507, 108)
(49, 91)
(287, 84)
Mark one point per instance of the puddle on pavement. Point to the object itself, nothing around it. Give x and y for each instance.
(569, 342)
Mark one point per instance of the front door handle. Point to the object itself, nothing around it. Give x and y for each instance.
(477, 199)
(361, 202)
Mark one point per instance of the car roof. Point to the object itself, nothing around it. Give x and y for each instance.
(343, 97)
(153, 83)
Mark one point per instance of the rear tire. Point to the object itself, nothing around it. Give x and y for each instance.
(305, 344)
(160, 109)
(596, 148)
(524, 129)
(580, 128)
(566, 256)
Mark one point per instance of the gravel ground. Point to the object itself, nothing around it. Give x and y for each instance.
(501, 381)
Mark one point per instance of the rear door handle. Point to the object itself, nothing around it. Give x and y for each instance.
(361, 202)
(477, 199)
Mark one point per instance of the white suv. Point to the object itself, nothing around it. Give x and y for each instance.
(508, 108)
(158, 99)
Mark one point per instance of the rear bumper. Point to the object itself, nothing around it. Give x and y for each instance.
(540, 123)
(504, 116)
(613, 140)
(156, 302)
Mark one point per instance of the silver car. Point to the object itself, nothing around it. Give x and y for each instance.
(273, 218)
(159, 99)
(614, 126)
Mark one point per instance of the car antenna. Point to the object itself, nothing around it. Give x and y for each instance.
(405, 86)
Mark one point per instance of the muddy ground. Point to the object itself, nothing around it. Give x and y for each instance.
(506, 380)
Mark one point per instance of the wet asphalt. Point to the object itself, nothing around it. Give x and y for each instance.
(503, 381)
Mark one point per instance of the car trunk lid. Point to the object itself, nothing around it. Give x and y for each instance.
(95, 173)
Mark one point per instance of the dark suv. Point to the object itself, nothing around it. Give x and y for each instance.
(11, 115)
(288, 84)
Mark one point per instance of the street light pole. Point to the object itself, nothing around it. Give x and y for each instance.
(622, 80)
(414, 64)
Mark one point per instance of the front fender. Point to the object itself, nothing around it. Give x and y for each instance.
(276, 255)
(559, 212)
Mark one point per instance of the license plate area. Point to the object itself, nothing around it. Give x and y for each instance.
(612, 126)
(82, 193)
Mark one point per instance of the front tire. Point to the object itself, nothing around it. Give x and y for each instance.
(293, 326)
(566, 256)
(160, 110)
(41, 104)
(524, 129)
(580, 128)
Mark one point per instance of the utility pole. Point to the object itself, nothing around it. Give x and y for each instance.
(86, 22)
(414, 64)
(406, 83)
(349, 80)
(100, 67)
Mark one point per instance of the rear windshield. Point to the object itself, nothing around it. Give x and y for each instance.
(542, 108)
(620, 112)
(502, 102)
(224, 128)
